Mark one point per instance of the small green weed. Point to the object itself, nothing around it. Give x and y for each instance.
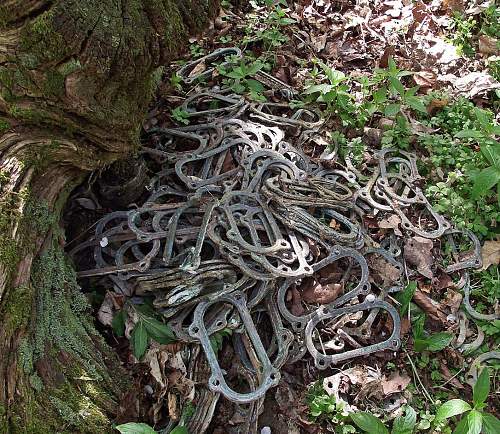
(422, 341)
(475, 419)
(462, 31)
(180, 115)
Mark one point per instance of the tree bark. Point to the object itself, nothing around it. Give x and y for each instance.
(76, 77)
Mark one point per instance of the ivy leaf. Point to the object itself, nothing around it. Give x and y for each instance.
(118, 323)
(418, 327)
(392, 109)
(439, 341)
(486, 179)
(451, 408)
(491, 425)
(475, 422)
(159, 331)
(481, 388)
(135, 428)
(179, 430)
(405, 424)
(369, 423)
(139, 339)
(405, 297)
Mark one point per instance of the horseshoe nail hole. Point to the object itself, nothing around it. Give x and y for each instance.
(406, 225)
(216, 382)
(395, 343)
(196, 329)
(272, 376)
(307, 268)
(321, 362)
(329, 385)
(284, 243)
(219, 323)
(326, 310)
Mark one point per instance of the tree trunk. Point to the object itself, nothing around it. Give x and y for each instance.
(76, 77)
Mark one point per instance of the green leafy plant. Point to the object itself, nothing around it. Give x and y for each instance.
(217, 338)
(146, 328)
(423, 341)
(143, 428)
(404, 424)
(474, 420)
(335, 94)
(239, 78)
(180, 115)
(461, 33)
(405, 297)
(267, 27)
(135, 428)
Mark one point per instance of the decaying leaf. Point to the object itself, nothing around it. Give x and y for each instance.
(395, 383)
(418, 252)
(391, 222)
(475, 83)
(322, 294)
(111, 304)
(490, 253)
(488, 45)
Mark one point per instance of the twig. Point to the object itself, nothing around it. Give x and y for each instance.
(424, 390)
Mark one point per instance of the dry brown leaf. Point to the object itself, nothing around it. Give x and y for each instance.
(429, 306)
(453, 5)
(425, 79)
(322, 294)
(418, 252)
(490, 253)
(383, 270)
(391, 222)
(453, 300)
(475, 83)
(112, 302)
(435, 105)
(397, 382)
(488, 45)
(198, 69)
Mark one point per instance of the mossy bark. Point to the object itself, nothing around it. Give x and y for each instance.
(76, 77)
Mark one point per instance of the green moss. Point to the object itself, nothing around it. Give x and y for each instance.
(40, 39)
(4, 126)
(54, 84)
(69, 67)
(18, 307)
(38, 215)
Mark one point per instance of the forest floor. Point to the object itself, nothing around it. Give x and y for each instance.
(421, 78)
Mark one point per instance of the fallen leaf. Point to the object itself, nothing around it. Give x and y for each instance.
(383, 270)
(435, 105)
(430, 307)
(112, 302)
(395, 383)
(475, 83)
(488, 45)
(418, 252)
(391, 222)
(322, 294)
(453, 300)
(425, 79)
(198, 69)
(490, 253)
